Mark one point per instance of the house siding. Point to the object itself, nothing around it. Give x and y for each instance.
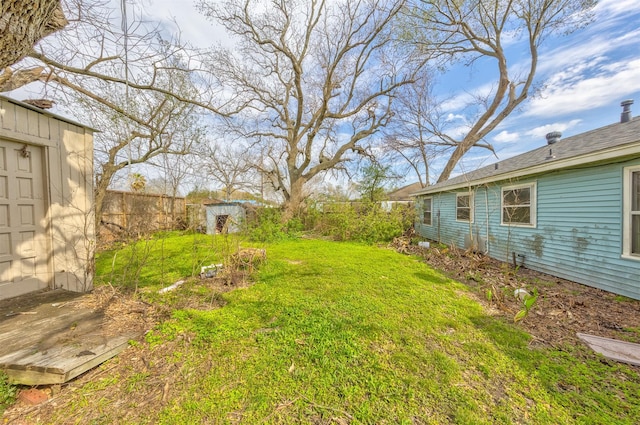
(578, 232)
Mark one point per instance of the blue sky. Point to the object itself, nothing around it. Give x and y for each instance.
(584, 76)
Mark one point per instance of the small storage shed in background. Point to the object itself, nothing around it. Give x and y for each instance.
(224, 217)
(47, 230)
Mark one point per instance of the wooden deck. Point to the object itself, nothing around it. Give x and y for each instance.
(49, 338)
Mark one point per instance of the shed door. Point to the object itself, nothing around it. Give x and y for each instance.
(23, 243)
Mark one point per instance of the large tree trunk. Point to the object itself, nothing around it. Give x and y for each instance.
(23, 23)
(294, 204)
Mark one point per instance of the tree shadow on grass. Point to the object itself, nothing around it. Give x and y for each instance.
(433, 277)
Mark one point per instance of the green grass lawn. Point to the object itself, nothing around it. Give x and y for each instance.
(162, 259)
(347, 333)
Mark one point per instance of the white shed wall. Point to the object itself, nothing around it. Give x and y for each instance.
(68, 221)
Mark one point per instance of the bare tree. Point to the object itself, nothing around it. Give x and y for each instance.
(417, 135)
(126, 143)
(175, 170)
(452, 30)
(97, 49)
(125, 79)
(230, 166)
(22, 24)
(317, 78)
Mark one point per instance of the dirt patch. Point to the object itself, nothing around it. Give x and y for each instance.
(562, 308)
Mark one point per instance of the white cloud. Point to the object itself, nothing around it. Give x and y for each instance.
(463, 100)
(456, 103)
(454, 117)
(458, 131)
(589, 51)
(180, 17)
(573, 91)
(506, 137)
(541, 131)
(611, 8)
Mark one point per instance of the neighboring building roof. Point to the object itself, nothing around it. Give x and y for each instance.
(210, 202)
(605, 143)
(404, 193)
(213, 202)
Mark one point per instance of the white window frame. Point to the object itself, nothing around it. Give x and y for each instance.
(533, 197)
(471, 206)
(627, 214)
(430, 198)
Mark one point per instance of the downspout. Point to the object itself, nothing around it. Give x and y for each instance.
(438, 225)
(486, 207)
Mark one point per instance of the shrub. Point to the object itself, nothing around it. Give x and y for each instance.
(343, 221)
(364, 222)
(266, 225)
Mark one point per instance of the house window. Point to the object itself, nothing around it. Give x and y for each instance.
(464, 207)
(426, 211)
(631, 204)
(519, 205)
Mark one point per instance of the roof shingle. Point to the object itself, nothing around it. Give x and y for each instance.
(584, 144)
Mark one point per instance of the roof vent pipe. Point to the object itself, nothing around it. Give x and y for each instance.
(553, 137)
(626, 110)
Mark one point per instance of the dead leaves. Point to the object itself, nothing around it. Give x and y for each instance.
(562, 308)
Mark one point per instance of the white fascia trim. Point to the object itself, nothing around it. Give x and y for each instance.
(617, 152)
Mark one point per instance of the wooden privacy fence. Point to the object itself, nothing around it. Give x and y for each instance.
(142, 213)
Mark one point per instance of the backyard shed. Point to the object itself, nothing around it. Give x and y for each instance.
(224, 217)
(570, 208)
(46, 198)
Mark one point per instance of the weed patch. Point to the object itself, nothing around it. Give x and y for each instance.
(8, 392)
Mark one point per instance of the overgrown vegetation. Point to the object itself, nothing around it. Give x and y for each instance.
(363, 222)
(267, 226)
(341, 221)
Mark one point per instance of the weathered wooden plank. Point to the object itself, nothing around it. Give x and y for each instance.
(41, 330)
(33, 123)
(621, 351)
(46, 338)
(61, 363)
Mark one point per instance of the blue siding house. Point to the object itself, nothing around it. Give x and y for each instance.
(570, 208)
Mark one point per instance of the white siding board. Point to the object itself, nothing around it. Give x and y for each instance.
(43, 126)
(8, 115)
(33, 124)
(22, 120)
